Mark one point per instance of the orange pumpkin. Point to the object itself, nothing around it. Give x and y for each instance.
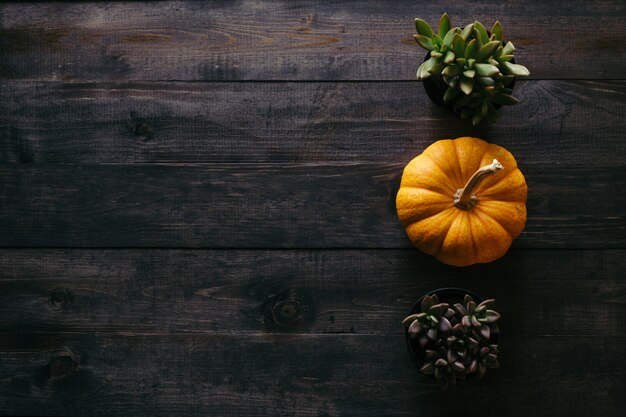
(463, 201)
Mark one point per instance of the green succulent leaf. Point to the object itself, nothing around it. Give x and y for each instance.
(504, 58)
(447, 40)
(467, 85)
(444, 25)
(458, 45)
(425, 42)
(504, 99)
(487, 50)
(515, 69)
(508, 49)
(484, 109)
(486, 70)
(469, 73)
(449, 58)
(497, 30)
(436, 54)
(485, 81)
(465, 114)
(423, 28)
(477, 118)
(471, 49)
(437, 41)
(437, 68)
(450, 94)
(482, 32)
(422, 71)
(451, 71)
(452, 81)
(460, 61)
(467, 31)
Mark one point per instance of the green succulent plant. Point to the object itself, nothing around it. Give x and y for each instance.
(476, 67)
(454, 341)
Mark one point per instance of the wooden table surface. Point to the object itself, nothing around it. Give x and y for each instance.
(197, 210)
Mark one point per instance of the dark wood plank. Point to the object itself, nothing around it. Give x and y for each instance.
(100, 374)
(296, 40)
(336, 291)
(557, 122)
(275, 206)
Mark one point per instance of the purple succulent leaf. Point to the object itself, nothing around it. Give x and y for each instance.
(466, 321)
(409, 319)
(459, 309)
(441, 363)
(444, 325)
(494, 328)
(415, 329)
(427, 302)
(458, 330)
(437, 310)
(430, 355)
(451, 356)
(487, 304)
(481, 370)
(432, 333)
(475, 321)
(485, 331)
(449, 314)
(435, 299)
(473, 366)
(428, 368)
(472, 342)
(492, 316)
(467, 299)
(423, 340)
(471, 307)
(458, 366)
(484, 351)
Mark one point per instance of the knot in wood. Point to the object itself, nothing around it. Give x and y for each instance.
(60, 298)
(63, 364)
(287, 309)
(287, 312)
(143, 129)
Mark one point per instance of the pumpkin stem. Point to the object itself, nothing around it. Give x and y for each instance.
(464, 198)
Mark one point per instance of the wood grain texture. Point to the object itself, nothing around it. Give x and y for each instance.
(295, 40)
(557, 122)
(275, 206)
(96, 374)
(335, 291)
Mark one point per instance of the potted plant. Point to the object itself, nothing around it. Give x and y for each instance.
(451, 334)
(470, 71)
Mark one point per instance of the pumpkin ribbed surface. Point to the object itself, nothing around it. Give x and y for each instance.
(462, 234)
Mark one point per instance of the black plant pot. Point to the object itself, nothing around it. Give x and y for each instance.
(445, 295)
